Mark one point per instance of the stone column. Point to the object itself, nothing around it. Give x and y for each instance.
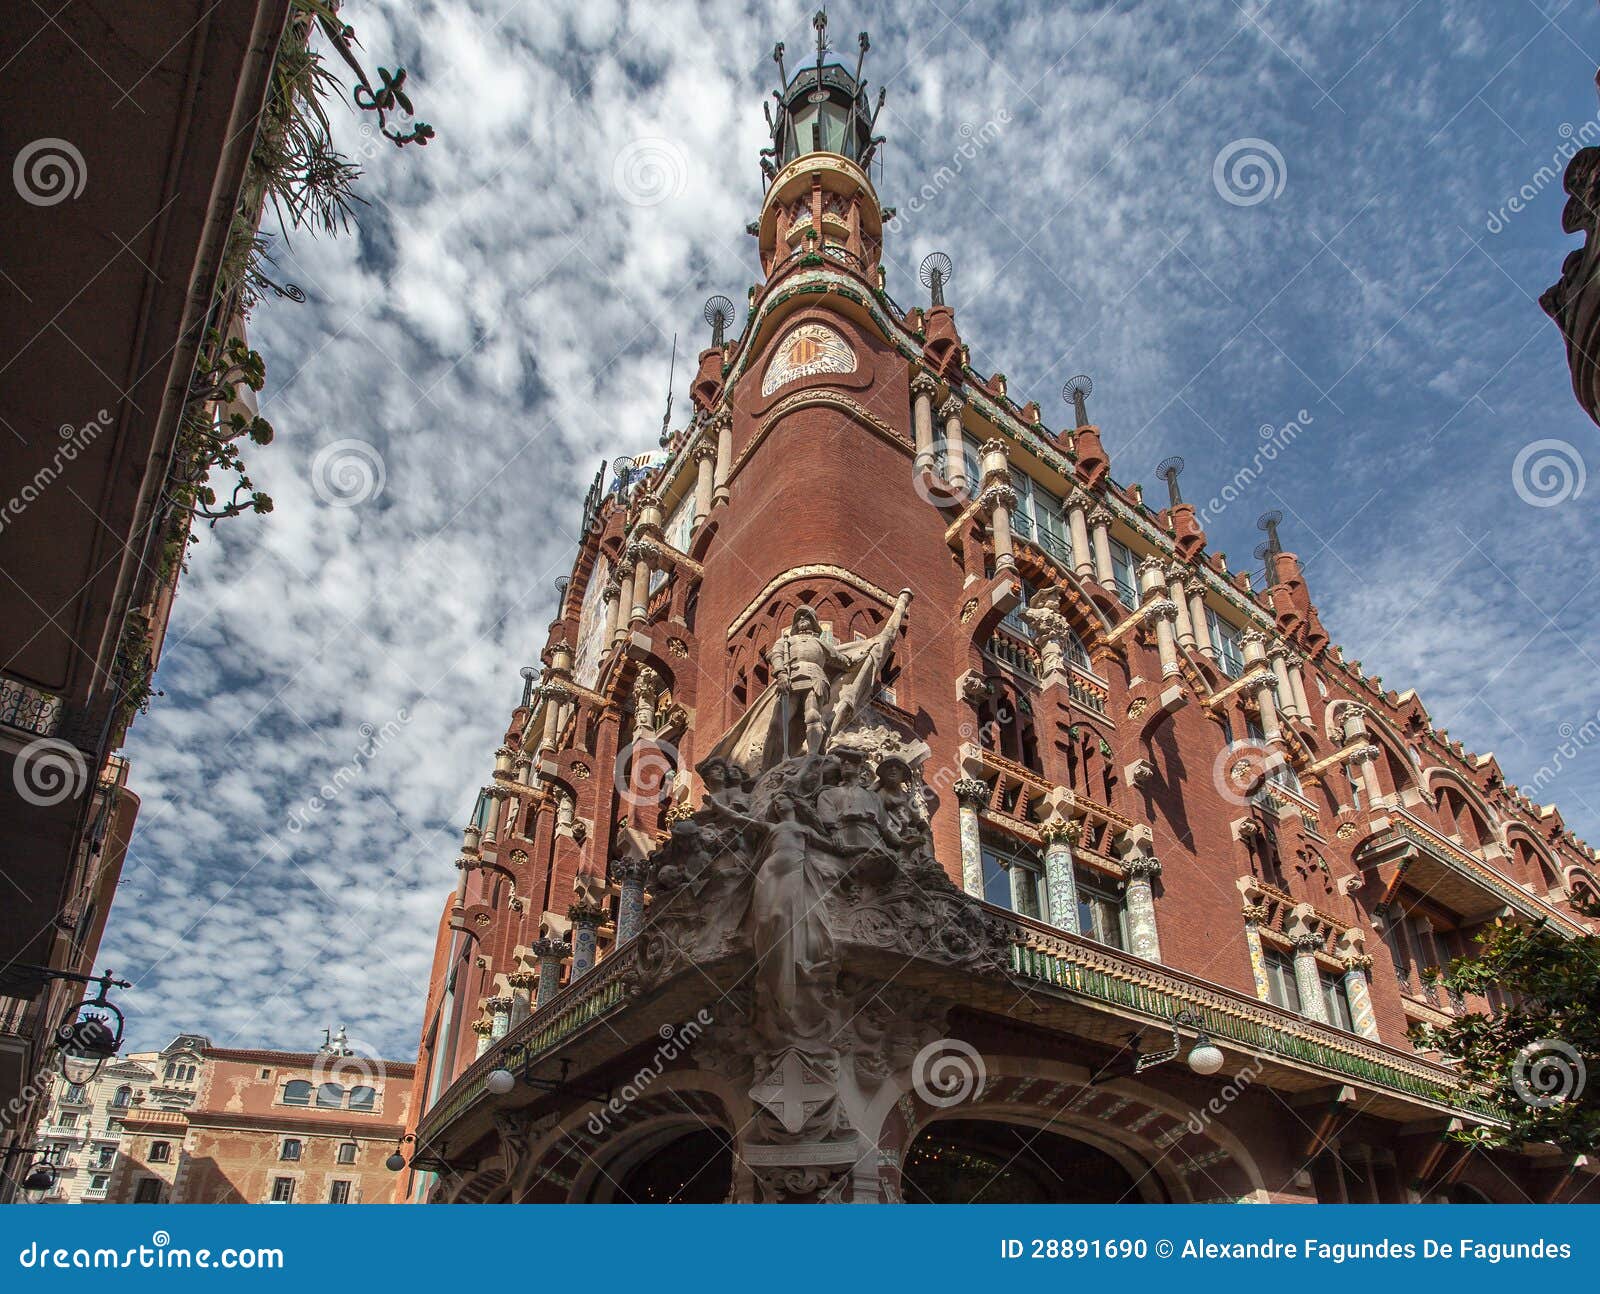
(971, 793)
(585, 918)
(1255, 652)
(1307, 978)
(482, 1028)
(1194, 586)
(624, 603)
(639, 557)
(1078, 505)
(999, 498)
(496, 795)
(1060, 881)
(499, 1017)
(1297, 685)
(551, 953)
(722, 426)
(1278, 655)
(1100, 534)
(464, 864)
(1139, 871)
(923, 388)
(629, 874)
(705, 463)
(1164, 611)
(1180, 600)
(955, 458)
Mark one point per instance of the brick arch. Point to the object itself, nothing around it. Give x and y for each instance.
(1146, 1131)
(1437, 775)
(1513, 832)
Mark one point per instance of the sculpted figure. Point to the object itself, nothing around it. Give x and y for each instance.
(903, 821)
(804, 667)
(848, 807)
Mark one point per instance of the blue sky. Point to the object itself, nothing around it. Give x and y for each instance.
(502, 321)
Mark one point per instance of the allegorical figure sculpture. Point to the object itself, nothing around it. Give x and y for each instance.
(804, 667)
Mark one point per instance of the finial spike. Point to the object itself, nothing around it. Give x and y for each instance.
(1078, 390)
(1269, 522)
(935, 272)
(1171, 468)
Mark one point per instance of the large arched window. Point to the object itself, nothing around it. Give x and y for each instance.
(123, 1097)
(330, 1096)
(363, 1097)
(297, 1092)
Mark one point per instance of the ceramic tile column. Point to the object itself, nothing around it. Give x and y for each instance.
(1060, 881)
(971, 793)
(585, 917)
(550, 953)
(629, 873)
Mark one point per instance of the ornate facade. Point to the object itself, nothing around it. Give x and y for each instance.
(903, 801)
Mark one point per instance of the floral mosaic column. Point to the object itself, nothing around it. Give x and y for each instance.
(585, 918)
(1307, 979)
(629, 875)
(483, 1028)
(499, 1017)
(1255, 914)
(1061, 885)
(970, 793)
(1139, 872)
(551, 953)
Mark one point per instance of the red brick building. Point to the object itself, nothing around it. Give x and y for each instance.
(904, 801)
(270, 1127)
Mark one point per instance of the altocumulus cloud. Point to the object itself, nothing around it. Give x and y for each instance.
(501, 322)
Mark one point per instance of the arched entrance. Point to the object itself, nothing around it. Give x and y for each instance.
(983, 1161)
(691, 1166)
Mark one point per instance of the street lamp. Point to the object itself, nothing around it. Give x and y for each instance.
(41, 1174)
(91, 1033)
(1205, 1057)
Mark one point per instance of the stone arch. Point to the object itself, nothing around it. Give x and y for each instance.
(1403, 771)
(1544, 868)
(1170, 1152)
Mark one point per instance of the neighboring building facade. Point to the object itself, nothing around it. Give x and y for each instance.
(84, 1125)
(270, 1127)
(892, 764)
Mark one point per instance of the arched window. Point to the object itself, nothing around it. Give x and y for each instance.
(290, 1148)
(297, 1092)
(330, 1096)
(123, 1098)
(363, 1097)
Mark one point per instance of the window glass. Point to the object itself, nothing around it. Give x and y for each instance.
(363, 1098)
(283, 1190)
(347, 1152)
(1011, 879)
(160, 1152)
(1225, 638)
(330, 1096)
(1337, 1003)
(297, 1092)
(123, 1096)
(290, 1149)
(1124, 574)
(1282, 989)
(339, 1193)
(1101, 916)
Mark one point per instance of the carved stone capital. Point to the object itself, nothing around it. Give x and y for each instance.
(498, 1004)
(586, 912)
(1162, 608)
(1194, 586)
(1060, 830)
(971, 790)
(551, 949)
(1142, 867)
(629, 871)
(923, 383)
(1255, 914)
(952, 406)
(466, 864)
(705, 447)
(1100, 517)
(993, 496)
(1252, 638)
(1306, 941)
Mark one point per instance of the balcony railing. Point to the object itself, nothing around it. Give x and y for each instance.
(29, 709)
(1092, 970)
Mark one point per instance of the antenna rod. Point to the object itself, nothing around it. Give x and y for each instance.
(672, 370)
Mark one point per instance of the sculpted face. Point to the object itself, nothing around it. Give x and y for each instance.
(805, 622)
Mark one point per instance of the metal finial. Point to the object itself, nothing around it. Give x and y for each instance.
(563, 583)
(1078, 390)
(623, 467)
(529, 677)
(1269, 521)
(935, 273)
(777, 57)
(719, 313)
(1171, 468)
